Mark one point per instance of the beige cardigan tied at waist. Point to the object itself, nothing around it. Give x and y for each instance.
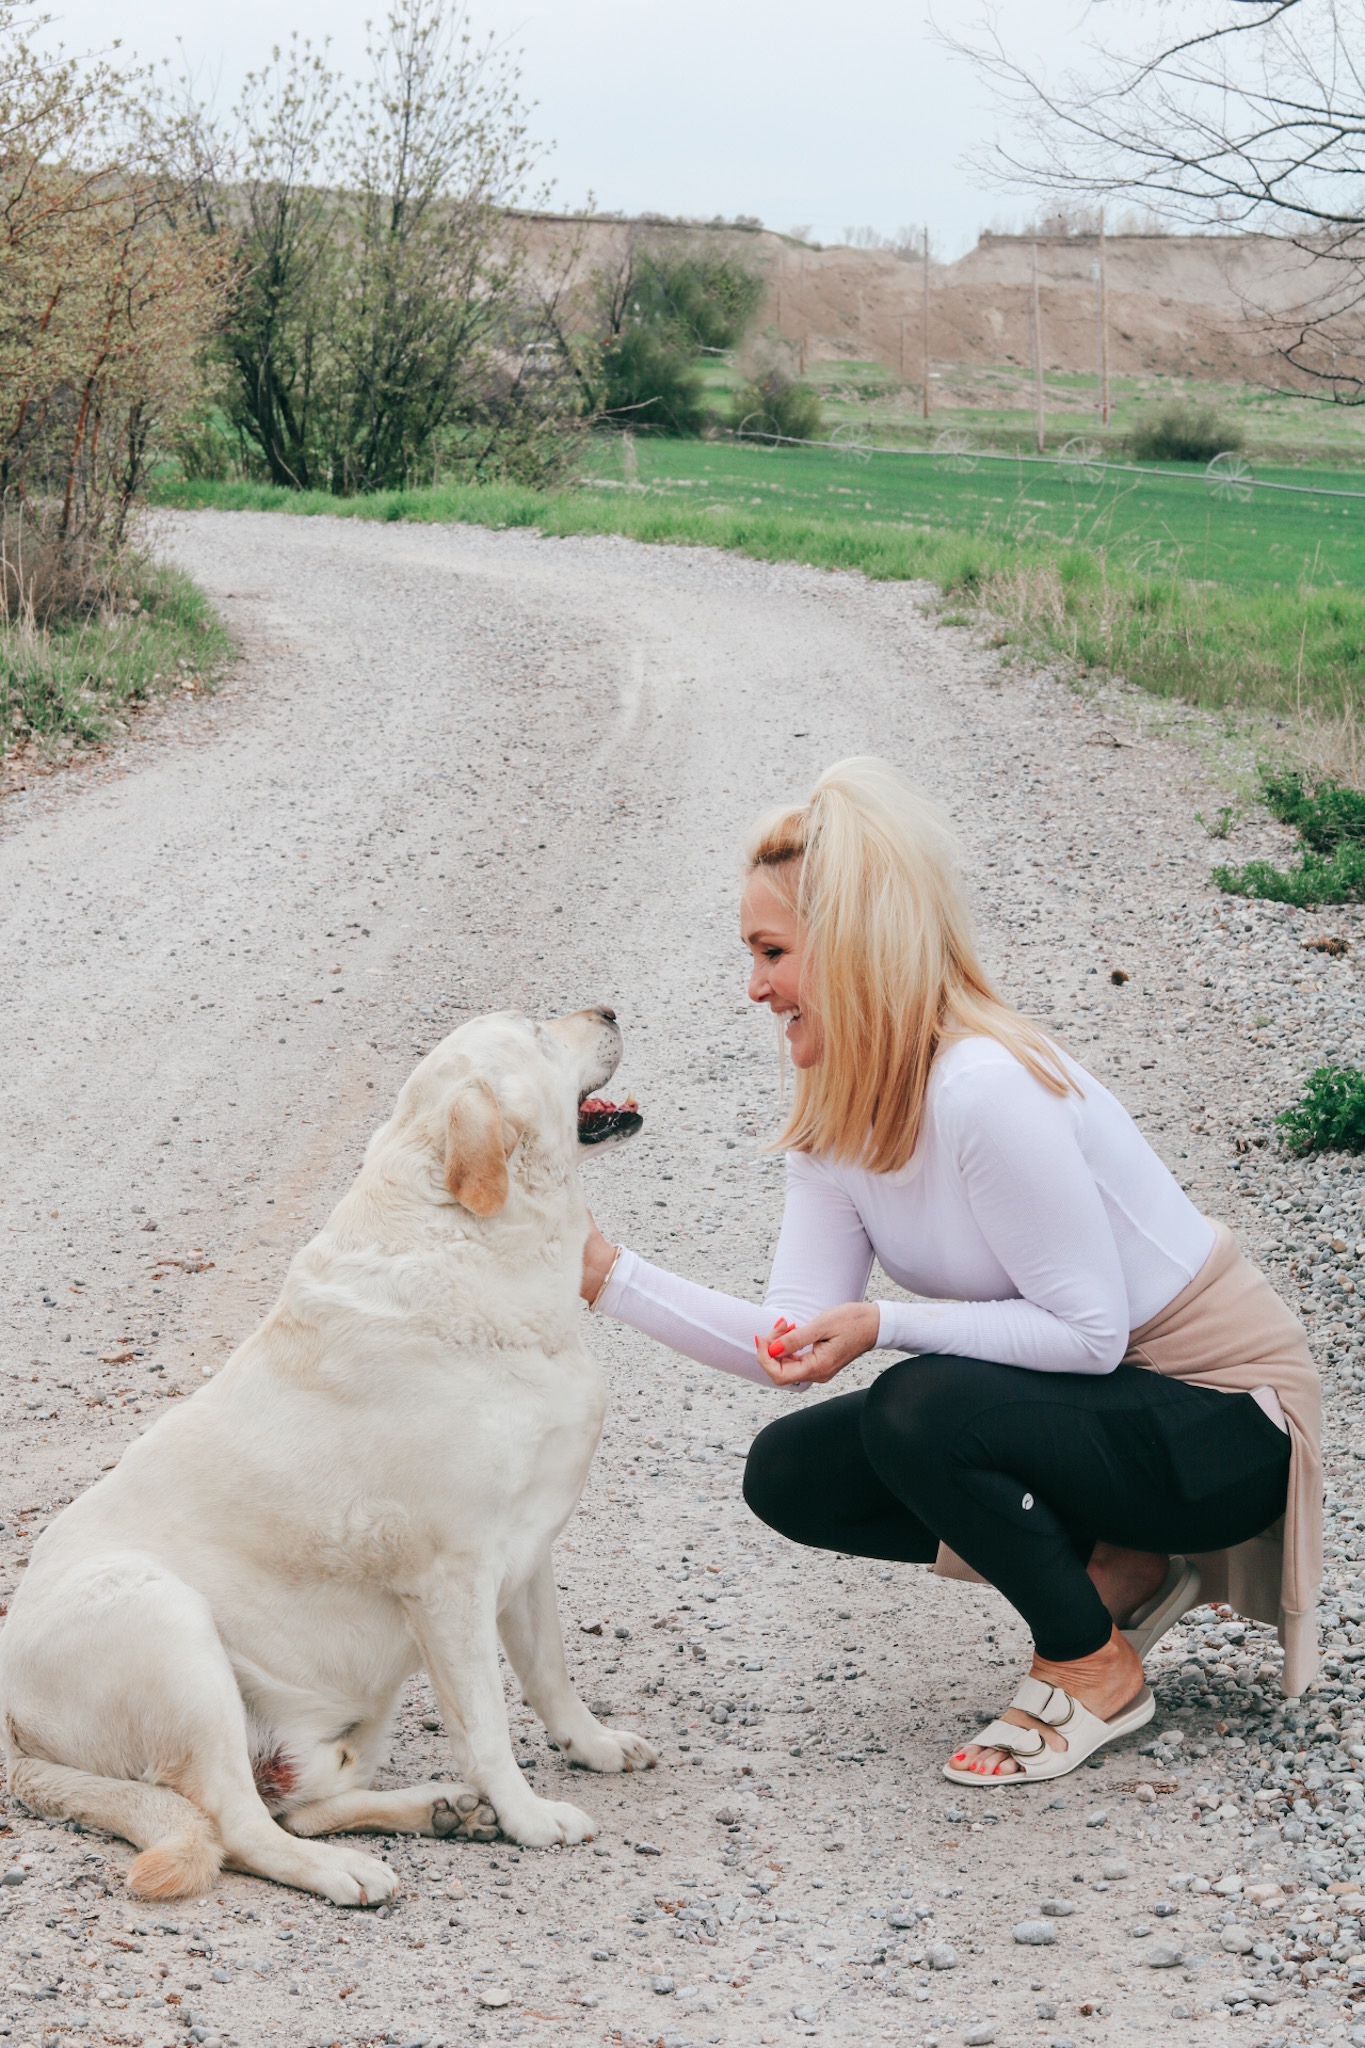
(1229, 1329)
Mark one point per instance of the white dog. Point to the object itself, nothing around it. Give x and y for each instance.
(207, 1647)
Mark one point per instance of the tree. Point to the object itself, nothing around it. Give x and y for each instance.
(1249, 115)
(382, 324)
(105, 300)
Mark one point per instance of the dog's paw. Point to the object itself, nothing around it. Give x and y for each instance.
(464, 1815)
(545, 1823)
(350, 1878)
(611, 1749)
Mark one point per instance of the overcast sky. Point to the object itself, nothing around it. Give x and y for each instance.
(794, 110)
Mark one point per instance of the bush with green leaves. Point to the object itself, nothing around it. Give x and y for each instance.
(1330, 820)
(775, 404)
(1330, 1114)
(1184, 432)
(660, 310)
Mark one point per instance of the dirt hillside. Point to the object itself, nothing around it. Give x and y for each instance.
(1180, 305)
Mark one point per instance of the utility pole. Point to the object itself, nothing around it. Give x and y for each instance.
(904, 325)
(1039, 430)
(1104, 328)
(924, 408)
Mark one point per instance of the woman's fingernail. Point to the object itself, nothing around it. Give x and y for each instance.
(776, 1348)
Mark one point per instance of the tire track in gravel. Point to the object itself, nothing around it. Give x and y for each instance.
(459, 769)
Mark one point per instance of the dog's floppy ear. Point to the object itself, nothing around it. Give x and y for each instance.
(476, 1154)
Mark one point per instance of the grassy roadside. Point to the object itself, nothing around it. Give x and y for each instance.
(1292, 653)
(68, 685)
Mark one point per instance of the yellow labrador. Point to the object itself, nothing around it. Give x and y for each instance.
(207, 1647)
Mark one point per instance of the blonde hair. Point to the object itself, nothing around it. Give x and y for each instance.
(871, 869)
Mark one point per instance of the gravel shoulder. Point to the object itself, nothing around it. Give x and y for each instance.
(459, 769)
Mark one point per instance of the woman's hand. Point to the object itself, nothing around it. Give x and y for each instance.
(598, 1254)
(821, 1347)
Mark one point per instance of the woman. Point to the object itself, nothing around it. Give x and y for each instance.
(1102, 1381)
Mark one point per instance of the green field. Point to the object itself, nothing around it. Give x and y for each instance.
(1169, 524)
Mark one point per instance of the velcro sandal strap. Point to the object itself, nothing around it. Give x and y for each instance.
(1045, 1702)
(1021, 1742)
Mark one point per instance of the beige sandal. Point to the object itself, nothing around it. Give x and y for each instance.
(1036, 1760)
(1178, 1593)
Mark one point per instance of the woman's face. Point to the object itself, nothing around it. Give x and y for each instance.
(776, 939)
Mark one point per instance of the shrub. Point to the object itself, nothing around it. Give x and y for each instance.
(1324, 816)
(1330, 1114)
(775, 404)
(1184, 432)
(660, 309)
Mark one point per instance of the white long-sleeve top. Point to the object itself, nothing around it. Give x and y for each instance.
(1044, 1228)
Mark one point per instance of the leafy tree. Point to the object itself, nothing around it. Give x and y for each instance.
(774, 404)
(659, 311)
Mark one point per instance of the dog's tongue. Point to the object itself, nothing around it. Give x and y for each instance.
(599, 1119)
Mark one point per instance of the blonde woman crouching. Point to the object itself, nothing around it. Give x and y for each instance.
(1108, 1415)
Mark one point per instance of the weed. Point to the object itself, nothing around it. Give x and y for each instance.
(1330, 1114)
(1330, 821)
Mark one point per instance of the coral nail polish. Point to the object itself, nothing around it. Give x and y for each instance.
(775, 1349)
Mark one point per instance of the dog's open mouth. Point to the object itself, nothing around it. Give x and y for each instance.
(599, 1120)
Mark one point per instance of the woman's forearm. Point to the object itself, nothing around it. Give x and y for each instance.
(715, 1329)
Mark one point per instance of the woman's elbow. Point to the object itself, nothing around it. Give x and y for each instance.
(1100, 1351)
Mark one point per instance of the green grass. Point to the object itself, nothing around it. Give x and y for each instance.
(1253, 605)
(68, 685)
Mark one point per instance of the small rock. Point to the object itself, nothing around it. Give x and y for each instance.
(1097, 1819)
(454, 1890)
(647, 1849)
(941, 1956)
(662, 1985)
(495, 1996)
(1261, 1894)
(1045, 2009)
(903, 1917)
(979, 2037)
(14, 1877)
(1237, 1941)
(1057, 1909)
(1035, 1933)
(1228, 1887)
(1114, 1871)
(1164, 1958)
(622, 1635)
(1146, 1793)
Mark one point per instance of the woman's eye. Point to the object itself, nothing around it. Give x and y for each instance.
(772, 952)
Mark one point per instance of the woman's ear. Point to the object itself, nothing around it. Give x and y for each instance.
(476, 1154)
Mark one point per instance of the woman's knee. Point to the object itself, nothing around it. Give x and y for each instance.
(911, 1408)
(777, 1475)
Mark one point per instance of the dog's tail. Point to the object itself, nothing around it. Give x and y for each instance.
(181, 1854)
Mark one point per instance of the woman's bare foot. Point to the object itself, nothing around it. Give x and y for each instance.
(1105, 1682)
(1125, 1579)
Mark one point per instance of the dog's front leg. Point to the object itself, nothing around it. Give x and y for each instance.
(534, 1642)
(457, 1631)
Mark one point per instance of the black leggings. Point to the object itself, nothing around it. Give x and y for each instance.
(1022, 1473)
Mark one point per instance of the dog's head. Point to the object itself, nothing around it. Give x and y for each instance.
(505, 1095)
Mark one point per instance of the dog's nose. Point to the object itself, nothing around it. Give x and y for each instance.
(605, 1011)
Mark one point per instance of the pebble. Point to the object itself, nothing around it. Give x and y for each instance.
(1163, 1958)
(1035, 1933)
(941, 1956)
(1097, 1819)
(978, 2037)
(14, 1877)
(1045, 2009)
(495, 1996)
(1057, 1909)
(662, 1985)
(1115, 1871)
(1238, 1941)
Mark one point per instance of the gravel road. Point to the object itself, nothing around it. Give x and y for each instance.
(459, 769)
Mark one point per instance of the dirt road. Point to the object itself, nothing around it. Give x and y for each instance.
(459, 769)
